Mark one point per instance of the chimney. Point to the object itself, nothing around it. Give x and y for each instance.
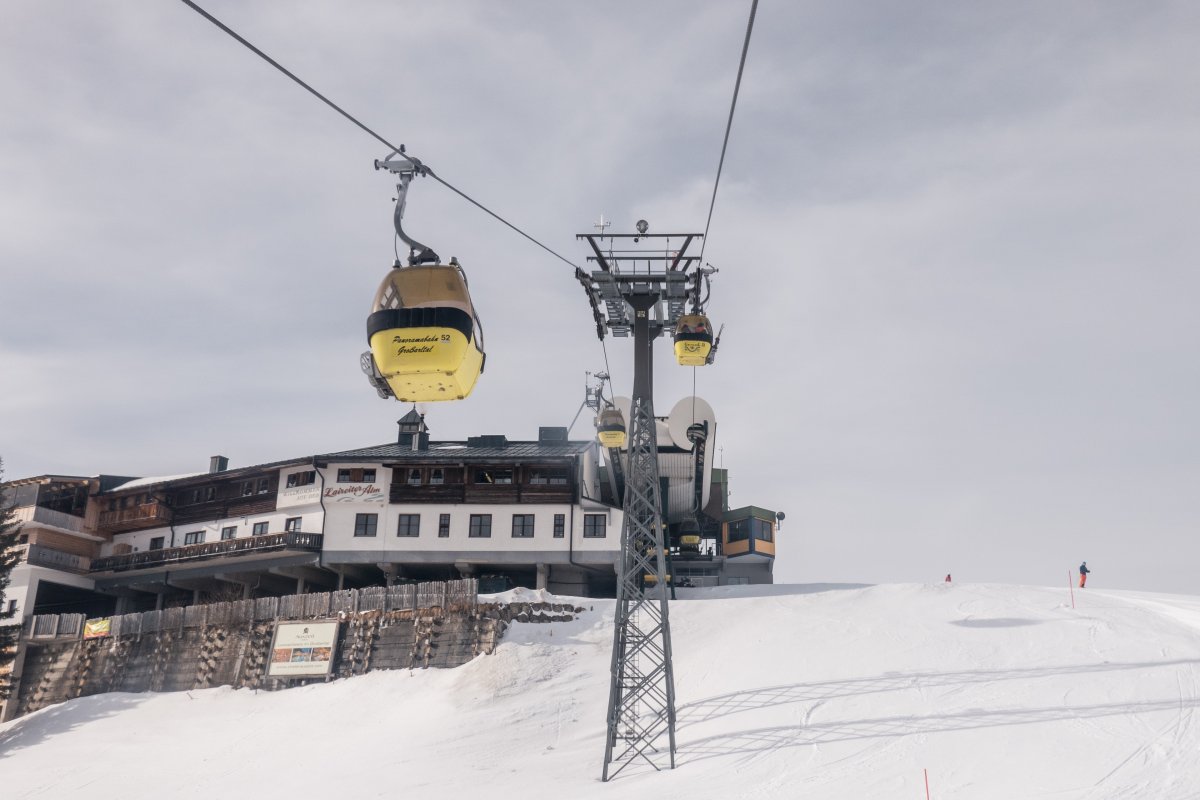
(552, 435)
(217, 464)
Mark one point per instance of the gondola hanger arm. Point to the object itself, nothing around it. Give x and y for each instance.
(405, 168)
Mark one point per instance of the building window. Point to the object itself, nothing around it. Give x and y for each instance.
(158, 542)
(264, 485)
(409, 525)
(560, 525)
(247, 488)
(292, 524)
(444, 526)
(229, 532)
(548, 477)
(594, 526)
(356, 476)
(12, 607)
(522, 526)
(496, 476)
(414, 477)
(301, 479)
(259, 529)
(365, 524)
(752, 528)
(481, 526)
(205, 494)
(196, 537)
(437, 477)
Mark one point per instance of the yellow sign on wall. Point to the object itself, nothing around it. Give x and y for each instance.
(97, 628)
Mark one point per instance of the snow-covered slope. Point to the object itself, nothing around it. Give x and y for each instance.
(783, 692)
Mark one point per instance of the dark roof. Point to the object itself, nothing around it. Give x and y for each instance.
(448, 452)
(411, 418)
(457, 452)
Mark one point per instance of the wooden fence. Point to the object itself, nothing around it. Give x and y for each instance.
(462, 594)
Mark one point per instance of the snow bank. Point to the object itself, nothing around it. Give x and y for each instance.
(783, 692)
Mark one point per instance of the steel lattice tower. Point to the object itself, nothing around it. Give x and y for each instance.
(641, 702)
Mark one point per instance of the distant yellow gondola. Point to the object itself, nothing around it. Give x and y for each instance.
(693, 340)
(426, 341)
(610, 428)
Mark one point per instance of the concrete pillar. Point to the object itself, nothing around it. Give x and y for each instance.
(300, 586)
(543, 576)
(158, 601)
(245, 591)
(195, 597)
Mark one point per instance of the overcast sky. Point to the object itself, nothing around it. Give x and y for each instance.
(957, 242)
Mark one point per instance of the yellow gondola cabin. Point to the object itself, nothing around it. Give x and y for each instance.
(610, 428)
(693, 340)
(426, 341)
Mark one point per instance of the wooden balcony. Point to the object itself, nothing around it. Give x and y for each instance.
(37, 555)
(307, 542)
(426, 493)
(147, 515)
(480, 493)
(46, 516)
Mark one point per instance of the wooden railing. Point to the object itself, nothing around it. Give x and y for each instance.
(195, 552)
(38, 555)
(48, 516)
(147, 514)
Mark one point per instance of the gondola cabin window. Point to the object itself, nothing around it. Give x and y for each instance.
(356, 476)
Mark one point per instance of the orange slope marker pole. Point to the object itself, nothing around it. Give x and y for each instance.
(1071, 586)
(926, 784)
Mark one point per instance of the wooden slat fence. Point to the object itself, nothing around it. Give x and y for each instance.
(463, 593)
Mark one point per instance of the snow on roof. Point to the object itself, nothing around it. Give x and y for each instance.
(134, 484)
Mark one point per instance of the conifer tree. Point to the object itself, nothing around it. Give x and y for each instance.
(10, 556)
